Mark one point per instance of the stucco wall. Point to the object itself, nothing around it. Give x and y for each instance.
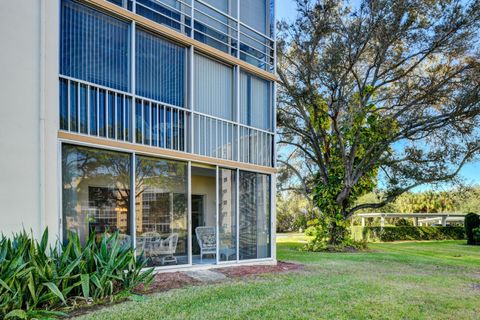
(27, 75)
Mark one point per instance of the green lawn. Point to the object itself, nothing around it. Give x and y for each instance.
(408, 280)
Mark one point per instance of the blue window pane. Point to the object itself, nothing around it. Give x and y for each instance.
(160, 69)
(93, 112)
(83, 109)
(146, 118)
(102, 109)
(154, 125)
(128, 117)
(120, 114)
(111, 115)
(159, 13)
(73, 106)
(94, 46)
(63, 104)
(138, 121)
(162, 128)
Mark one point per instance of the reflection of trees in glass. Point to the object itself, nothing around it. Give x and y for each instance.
(161, 188)
(254, 214)
(109, 172)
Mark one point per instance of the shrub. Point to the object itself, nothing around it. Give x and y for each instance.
(311, 231)
(408, 233)
(36, 279)
(472, 221)
(476, 235)
(402, 222)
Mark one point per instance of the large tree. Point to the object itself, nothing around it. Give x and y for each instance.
(385, 89)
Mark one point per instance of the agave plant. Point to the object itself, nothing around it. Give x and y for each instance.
(36, 279)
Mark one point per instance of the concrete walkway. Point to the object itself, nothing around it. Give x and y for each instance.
(206, 275)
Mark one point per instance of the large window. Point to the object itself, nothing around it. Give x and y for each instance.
(255, 102)
(96, 191)
(227, 214)
(94, 46)
(160, 69)
(161, 210)
(254, 197)
(213, 88)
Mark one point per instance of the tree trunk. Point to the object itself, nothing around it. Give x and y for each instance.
(333, 229)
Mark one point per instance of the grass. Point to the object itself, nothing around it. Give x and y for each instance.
(404, 280)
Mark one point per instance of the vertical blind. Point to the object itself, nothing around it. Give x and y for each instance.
(94, 46)
(213, 88)
(255, 102)
(159, 68)
(254, 14)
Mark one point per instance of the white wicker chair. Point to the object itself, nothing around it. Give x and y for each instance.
(207, 240)
(154, 246)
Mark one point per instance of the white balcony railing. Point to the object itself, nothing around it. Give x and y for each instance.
(210, 26)
(98, 111)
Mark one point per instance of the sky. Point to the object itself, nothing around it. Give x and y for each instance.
(285, 10)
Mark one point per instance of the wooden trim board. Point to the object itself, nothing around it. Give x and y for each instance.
(160, 152)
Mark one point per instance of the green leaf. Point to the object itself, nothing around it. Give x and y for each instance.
(3, 284)
(54, 289)
(17, 313)
(85, 279)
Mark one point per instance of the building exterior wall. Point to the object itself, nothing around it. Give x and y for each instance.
(30, 135)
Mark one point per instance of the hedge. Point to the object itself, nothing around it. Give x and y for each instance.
(386, 234)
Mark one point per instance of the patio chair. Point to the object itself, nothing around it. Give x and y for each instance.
(154, 246)
(207, 240)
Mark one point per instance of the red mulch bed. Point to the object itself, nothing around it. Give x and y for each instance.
(174, 280)
(167, 281)
(259, 269)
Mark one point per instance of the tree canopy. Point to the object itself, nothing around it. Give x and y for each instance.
(386, 89)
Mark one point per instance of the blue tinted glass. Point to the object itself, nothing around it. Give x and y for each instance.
(154, 125)
(162, 127)
(102, 114)
(120, 114)
(128, 115)
(83, 109)
(138, 121)
(63, 104)
(160, 69)
(73, 106)
(111, 115)
(93, 112)
(158, 13)
(94, 46)
(146, 117)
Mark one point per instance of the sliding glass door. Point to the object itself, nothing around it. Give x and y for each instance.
(146, 199)
(254, 231)
(161, 210)
(227, 214)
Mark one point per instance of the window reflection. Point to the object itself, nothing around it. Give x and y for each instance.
(96, 191)
(254, 230)
(161, 210)
(227, 216)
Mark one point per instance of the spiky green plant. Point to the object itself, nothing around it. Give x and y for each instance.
(36, 280)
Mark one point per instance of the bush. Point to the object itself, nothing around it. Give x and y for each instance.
(402, 222)
(386, 234)
(36, 280)
(476, 235)
(472, 221)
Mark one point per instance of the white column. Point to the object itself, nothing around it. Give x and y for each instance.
(363, 221)
(444, 221)
(382, 221)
